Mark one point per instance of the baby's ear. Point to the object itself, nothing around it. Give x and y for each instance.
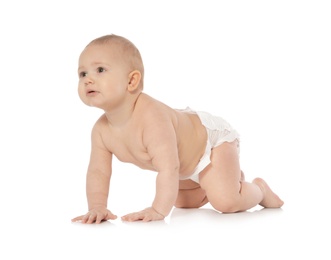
(134, 80)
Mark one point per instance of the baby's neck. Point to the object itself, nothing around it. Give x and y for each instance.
(122, 115)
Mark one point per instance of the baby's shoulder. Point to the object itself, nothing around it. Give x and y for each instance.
(153, 108)
(102, 120)
(100, 123)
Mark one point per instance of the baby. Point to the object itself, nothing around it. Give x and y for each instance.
(195, 154)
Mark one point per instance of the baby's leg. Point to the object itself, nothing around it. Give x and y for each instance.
(225, 189)
(190, 195)
(270, 199)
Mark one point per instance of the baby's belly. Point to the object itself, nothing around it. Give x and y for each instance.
(141, 160)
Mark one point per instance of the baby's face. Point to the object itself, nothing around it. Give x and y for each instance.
(103, 78)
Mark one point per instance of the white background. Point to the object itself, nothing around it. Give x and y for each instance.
(264, 66)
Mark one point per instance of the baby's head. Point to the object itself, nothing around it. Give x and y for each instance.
(125, 51)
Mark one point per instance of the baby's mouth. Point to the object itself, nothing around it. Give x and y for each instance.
(91, 92)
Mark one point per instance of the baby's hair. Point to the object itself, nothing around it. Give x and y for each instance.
(127, 50)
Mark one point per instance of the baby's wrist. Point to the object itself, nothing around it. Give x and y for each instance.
(158, 212)
(93, 207)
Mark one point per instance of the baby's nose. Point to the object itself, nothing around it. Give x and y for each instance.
(88, 80)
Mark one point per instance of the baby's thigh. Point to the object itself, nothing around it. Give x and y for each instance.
(223, 175)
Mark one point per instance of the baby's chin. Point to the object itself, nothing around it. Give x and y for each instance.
(90, 104)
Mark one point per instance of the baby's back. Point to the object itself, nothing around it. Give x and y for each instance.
(190, 133)
(191, 138)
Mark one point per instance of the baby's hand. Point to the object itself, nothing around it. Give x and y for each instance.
(148, 214)
(95, 215)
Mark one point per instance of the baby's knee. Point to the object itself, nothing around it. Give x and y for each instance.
(191, 198)
(226, 204)
(185, 204)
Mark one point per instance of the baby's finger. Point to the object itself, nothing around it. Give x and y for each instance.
(111, 216)
(126, 217)
(100, 218)
(90, 218)
(133, 216)
(77, 219)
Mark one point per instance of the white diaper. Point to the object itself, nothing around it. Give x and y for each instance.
(218, 131)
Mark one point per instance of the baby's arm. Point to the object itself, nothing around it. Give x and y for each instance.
(97, 182)
(159, 137)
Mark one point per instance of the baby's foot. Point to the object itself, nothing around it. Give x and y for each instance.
(270, 200)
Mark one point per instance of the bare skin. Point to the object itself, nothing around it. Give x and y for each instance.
(143, 131)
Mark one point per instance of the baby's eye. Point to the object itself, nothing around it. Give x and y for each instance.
(82, 74)
(100, 69)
